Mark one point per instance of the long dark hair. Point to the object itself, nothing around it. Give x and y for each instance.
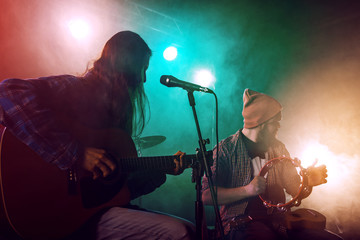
(122, 61)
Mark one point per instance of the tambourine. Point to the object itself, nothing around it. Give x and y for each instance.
(286, 181)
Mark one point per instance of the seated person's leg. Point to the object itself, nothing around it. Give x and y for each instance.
(119, 223)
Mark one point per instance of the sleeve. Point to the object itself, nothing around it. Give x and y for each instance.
(290, 179)
(144, 182)
(219, 170)
(31, 120)
(290, 176)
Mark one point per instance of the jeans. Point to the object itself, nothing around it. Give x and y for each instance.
(135, 224)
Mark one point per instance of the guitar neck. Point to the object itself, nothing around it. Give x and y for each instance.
(154, 163)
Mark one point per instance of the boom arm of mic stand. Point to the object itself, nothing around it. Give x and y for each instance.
(203, 166)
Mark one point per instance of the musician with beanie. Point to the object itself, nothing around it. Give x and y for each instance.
(238, 160)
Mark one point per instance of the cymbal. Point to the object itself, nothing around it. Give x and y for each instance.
(150, 141)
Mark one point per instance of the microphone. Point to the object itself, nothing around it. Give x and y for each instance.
(171, 81)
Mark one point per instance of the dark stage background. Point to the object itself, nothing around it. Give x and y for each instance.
(304, 53)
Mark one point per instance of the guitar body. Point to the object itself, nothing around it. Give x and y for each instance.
(304, 218)
(299, 219)
(35, 197)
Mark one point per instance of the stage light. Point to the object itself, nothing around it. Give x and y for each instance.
(79, 28)
(316, 154)
(170, 53)
(313, 152)
(204, 78)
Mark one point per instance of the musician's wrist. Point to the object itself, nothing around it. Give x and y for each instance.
(247, 191)
(307, 189)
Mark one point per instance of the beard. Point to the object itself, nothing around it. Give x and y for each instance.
(266, 138)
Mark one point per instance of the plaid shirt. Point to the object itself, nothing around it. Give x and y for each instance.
(234, 170)
(31, 121)
(29, 109)
(33, 109)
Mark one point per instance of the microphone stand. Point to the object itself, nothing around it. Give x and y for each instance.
(198, 171)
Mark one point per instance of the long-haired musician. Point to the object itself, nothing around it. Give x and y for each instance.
(56, 117)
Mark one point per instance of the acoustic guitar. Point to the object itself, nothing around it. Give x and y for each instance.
(303, 218)
(40, 201)
(298, 219)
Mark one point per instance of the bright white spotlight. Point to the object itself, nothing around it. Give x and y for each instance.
(79, 28)
(204, 78)
(315, 151)
(170, 53)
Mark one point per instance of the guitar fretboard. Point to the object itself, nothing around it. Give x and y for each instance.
(158, 162)
(161, 163)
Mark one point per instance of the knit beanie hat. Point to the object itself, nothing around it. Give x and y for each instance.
(258, 108)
